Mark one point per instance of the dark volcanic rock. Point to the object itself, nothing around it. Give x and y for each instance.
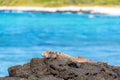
(57, 66)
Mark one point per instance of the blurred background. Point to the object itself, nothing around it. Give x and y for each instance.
(25, 35)
(56, 3)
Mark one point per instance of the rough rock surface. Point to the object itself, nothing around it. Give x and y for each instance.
(57, 66)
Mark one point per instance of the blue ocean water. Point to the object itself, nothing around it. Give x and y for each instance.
(25, 35)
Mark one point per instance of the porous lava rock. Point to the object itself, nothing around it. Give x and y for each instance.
(58, 66)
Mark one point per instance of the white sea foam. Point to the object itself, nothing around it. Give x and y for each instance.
(68, 13)
(17, 11)
(91, 16)
(79, 13)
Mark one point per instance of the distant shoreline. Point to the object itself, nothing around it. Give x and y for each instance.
(115, 11)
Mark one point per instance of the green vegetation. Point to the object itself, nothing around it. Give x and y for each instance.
(55, 3)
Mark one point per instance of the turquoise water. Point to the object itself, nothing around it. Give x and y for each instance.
(25, 35)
